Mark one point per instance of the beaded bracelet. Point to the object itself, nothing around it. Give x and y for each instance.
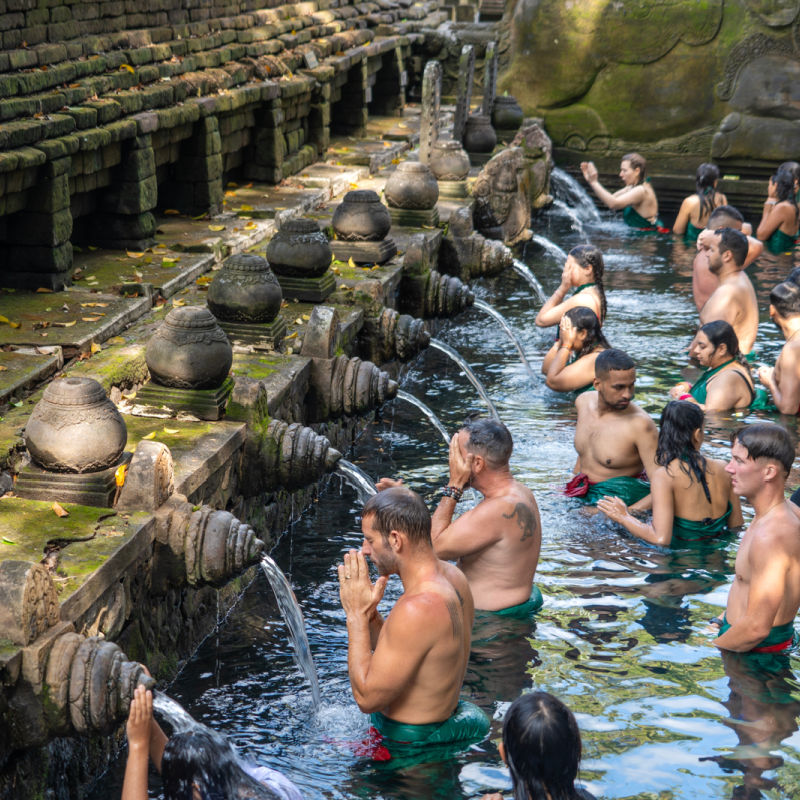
(685, 397)
(452, 491)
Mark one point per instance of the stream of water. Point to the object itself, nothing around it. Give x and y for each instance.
(622, 634)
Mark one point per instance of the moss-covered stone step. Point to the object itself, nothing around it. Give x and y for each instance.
(24, 367)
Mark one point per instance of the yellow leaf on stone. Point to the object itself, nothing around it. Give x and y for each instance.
(95, 348)
(59, 510)
(245, 207)
(168, 262)
(94, 305)
(354, 186)
(127, 67)
(216, 227)
(3, 369)
(151, 435)
(178, 302)
(120, 473)
(172, 431)
(42, 290)
(306, 317)
(351, 263)
(172, 212)
(204, 280)
(291, 335)
(298, 321)
(129, 395)
(250, 226)
(65, 324)
(116, 340)
(133, 255)
(90, 319)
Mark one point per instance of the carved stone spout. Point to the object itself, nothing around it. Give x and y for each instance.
(89, 684)
(349, 386)
(393, 336)
(445, 295)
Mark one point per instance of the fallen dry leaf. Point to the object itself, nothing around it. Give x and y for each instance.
(151, 435)
(172, 431)
(95, 348)
(59, 511)
(133, 255)
(216, 227)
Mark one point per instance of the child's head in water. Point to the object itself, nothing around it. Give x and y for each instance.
(542, 747)
(201, 765)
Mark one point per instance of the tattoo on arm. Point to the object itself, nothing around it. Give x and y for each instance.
(455, 618)
(525, 519)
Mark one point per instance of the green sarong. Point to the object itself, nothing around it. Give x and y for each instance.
(467, 724)
(688, 530)
(763, 401)
(635, 220)
(691, 233)
(780, 242)
(523, 610)
(626, 487)
(699, 388)
(778, 640)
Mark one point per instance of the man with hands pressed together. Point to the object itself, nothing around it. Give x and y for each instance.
(407, 670)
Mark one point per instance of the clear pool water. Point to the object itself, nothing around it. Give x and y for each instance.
(621, 637)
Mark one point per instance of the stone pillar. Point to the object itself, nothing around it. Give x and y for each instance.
(466, 72)
(269, 147)
(489, 78)
(431, 100)
(197, 175)
(126, 219)
(38, 252)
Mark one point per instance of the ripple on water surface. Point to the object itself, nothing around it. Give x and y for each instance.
(621, 637)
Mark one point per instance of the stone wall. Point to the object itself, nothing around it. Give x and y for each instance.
(711, 79)
(111, 111)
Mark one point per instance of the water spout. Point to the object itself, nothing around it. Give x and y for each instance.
(549, 247)
(432, 418)
(525, 271)
(495, 314)
(357, 478)
(577, 225)
(177, 716)
(467, 370)
(289, 608)
(566, 188)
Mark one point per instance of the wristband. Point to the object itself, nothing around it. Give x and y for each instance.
(685, 397)
(452, 491)
(770, 202)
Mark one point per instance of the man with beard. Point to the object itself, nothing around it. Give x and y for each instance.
(407, 670)
(783, 380)
(615, 439)
(765, 594)
(734, 300)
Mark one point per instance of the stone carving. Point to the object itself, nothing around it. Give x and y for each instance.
(348, 386)
(743, 136)
(28, 601)
(321, 336)
(463, 91)
(393, 336)
(411, 186)
(189, 350)
(775, 13)
(450, 165)
(468, 254)
(75, 428)
(537, 150)
(749, 49)
(299, 249)
(245, 290)
(431, 101)
(294, 456)
(479, 137)
(445, 296)
(501, 195)
(489, 80)
(507, 116)
(361, 223)
(149, 480)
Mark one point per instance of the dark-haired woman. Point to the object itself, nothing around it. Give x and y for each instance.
(542, 747)
(778, 226)
(569, 365)
(793, 168)
(693, 499)
(726, 382)
(636, 199)
(696, 209)
(581, 285)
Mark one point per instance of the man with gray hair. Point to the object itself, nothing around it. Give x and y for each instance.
(496, 544)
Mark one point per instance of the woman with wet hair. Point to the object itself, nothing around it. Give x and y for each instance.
(569, 365)
(542, 747)
(198, 764)
(696, 209)
(581, 285)
(793, 168)
(636, 199)
(779, 219)
(693, 499)
(726, 382)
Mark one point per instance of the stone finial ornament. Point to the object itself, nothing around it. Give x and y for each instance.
(245, 290)
(479, 138)
(28, 601)
(411, 192)
(361, 223)
(75, 428)
(189, 350)
(300, 255)
(450, 165)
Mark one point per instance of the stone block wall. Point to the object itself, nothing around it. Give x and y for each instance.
(112, 110)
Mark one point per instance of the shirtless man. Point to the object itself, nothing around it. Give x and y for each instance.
(704, 281)
(734, 300)
(765, 593)
(615, 439)
(496, 543)
(783, 380)
(407, 671)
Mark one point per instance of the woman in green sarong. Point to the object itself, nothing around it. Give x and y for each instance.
(779, 219)
(692, 495)
(637, 200)
(569, 365)
(726, 382)
(696, 209)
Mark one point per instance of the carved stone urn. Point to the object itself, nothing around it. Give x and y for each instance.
(507, 115)
(75, 428)
(189, 350)
(245, 290)
(361, 217)
(448, 161)
(479, 138)
(361, 223)
(412, 185)
(299, 249)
